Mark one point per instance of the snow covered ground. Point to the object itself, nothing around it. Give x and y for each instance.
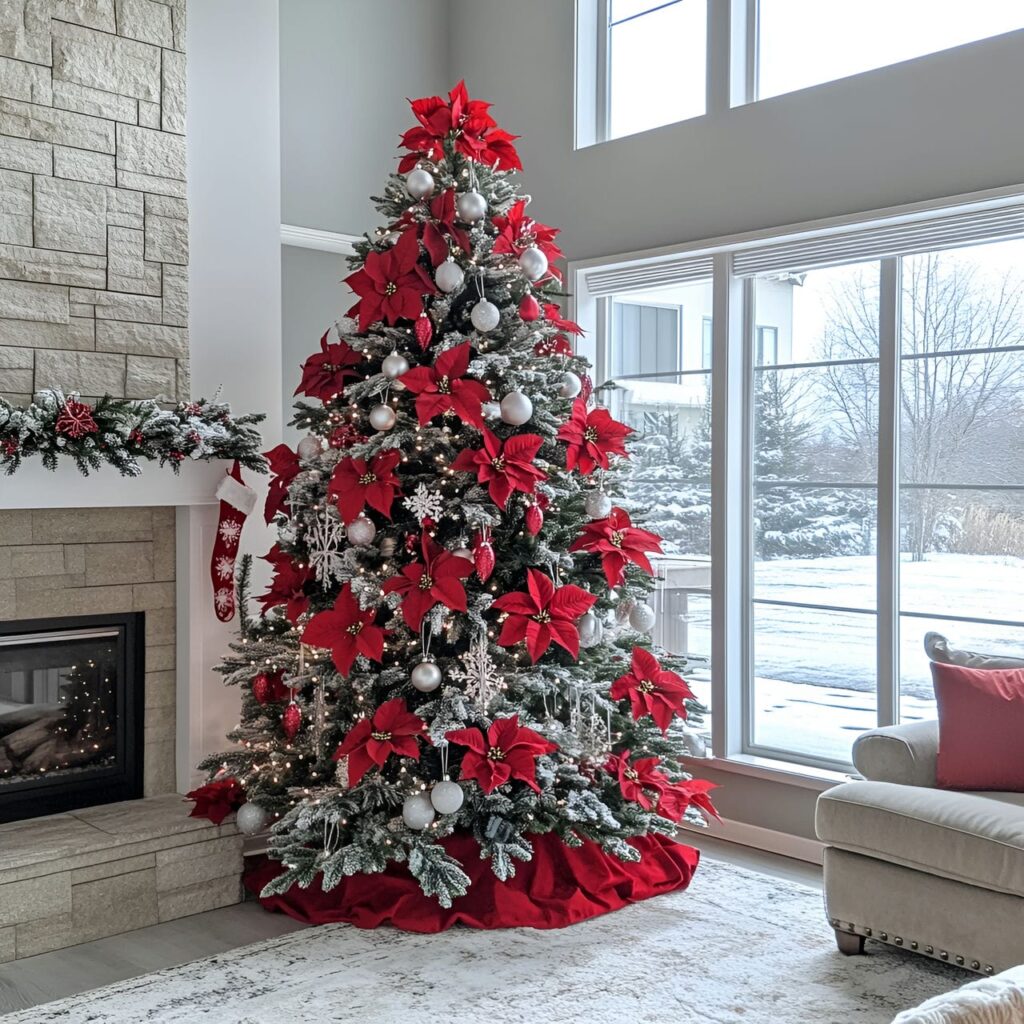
(815, 670)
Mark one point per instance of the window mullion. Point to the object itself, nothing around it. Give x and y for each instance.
(887, 534)
(729, 500)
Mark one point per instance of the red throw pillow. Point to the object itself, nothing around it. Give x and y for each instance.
(981, 727)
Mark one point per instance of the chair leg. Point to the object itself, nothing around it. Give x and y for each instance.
(849, 943)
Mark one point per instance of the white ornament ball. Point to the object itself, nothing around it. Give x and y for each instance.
(394, 365)
(420, 183)
(590, 630)
(447, 797)
(382, 417)
(597, 505)
(470, 206)
(361, 531)
(251, 818)
(533, 263)
(571, 385)
(641, 618)
(490, 410)
(516, 408)
(485, 316)
(310, 447)
(426, 677)
(449, 276)
(417, 811)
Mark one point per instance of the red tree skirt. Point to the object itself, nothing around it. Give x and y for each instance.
(558, 887)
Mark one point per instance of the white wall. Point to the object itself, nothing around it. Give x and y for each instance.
(937, 126)
(235, 317)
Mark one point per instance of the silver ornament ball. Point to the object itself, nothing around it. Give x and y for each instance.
(417, 811)
(446, 797)
(597, 505)
(490, 410)
(426, 677)
(382, 417)
(419, 182)
(449, 276)
(470, 206)
(516, 408)
(310, 447)
(251, 818)
(361, 531)
(641, 618)
(571, 385)
(485, 316)
(533, 263)
(394, 366)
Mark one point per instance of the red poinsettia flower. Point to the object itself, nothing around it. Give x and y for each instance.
(76, 419)
(435, 579)
(356, 483)
(639, 780)
(393, 729)
(543, 613)
(288, 586)
(391, 284)
(216, 800)
(618, 542)
(443, 389)
(553, 314)
(517, 231)
(475, 132)
(675, 799)
(508, 751)
(591, 437)
(505, 466)
(324, 373)
(285, 465)
(652, 690)
(347, 631)
(441, 233)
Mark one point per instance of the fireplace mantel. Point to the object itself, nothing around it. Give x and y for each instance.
(34, 486)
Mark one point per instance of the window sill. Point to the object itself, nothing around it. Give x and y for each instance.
(771, 770)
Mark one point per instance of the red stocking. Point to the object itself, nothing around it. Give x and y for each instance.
(237, 500)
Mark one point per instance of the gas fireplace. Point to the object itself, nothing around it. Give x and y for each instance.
(71, 713)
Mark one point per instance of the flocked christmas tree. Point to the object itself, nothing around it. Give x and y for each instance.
(455, 641)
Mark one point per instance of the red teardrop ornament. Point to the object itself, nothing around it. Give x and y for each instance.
(529, 308)
(424, 330)
(483, 558)
(261, 687)
(291, 720)
(534, 519)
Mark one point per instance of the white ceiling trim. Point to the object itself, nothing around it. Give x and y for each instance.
(314, 238)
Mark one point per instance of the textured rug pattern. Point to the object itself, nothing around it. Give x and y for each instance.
(738, 947)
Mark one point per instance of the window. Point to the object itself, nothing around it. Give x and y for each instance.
(663, 392)
(867, 482)
(648, 68)
(641, 64)
(766, 351)
(801, 43)
(706, 341)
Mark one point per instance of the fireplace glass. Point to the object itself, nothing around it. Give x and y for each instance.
(70, 727)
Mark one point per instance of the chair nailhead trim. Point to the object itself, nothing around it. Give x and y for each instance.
(960, 961)
(929, 950)
(975, 965)
(898, 940)
(989, 969)
(867, 931)
(943, 955)
(913, 944)
(883, 936)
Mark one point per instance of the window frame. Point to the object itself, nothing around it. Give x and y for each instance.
(733, 339)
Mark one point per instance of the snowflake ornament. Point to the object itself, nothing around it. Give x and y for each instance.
(230, 531)
(424, 503)
(477, 673)
(325, 540)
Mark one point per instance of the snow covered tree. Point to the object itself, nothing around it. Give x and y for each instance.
(454, 645)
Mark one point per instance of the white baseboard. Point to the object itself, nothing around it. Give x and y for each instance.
(314, 238)
(766, 839)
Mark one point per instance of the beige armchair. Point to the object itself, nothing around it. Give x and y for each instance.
(935, 871)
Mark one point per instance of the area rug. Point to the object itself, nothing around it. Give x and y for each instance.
(737, 947)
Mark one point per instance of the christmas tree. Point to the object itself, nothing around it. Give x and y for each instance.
(455, 641)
